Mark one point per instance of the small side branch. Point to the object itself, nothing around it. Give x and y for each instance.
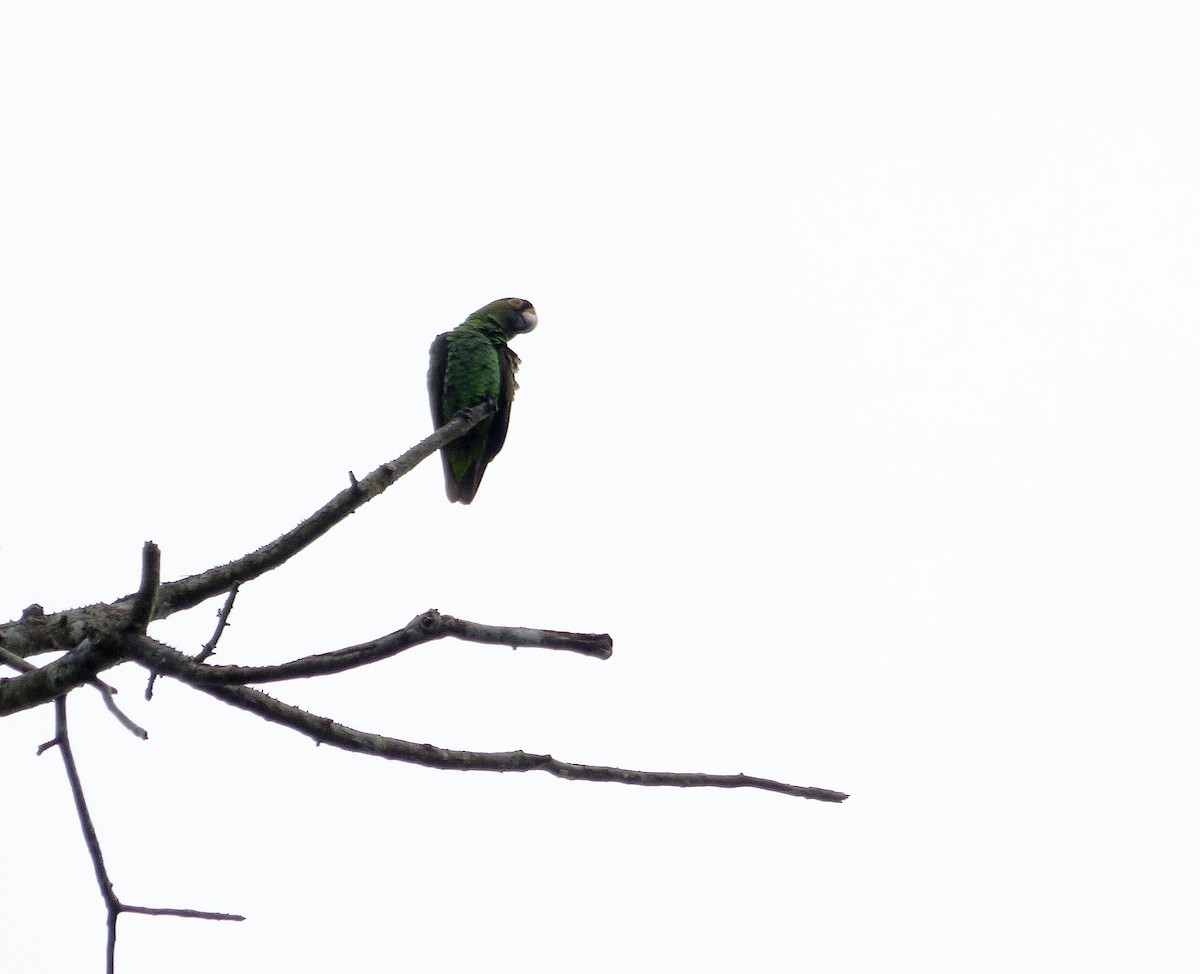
(209, 647)
(15, 661)
(326, 731)
(142, 610)
(91, 840)
(167, 911)
(106, 694)
(112, 904)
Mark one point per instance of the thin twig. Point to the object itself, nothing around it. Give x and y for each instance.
(111, 903)
(325, 731)
(209, 647)
(106, 694)
(16, 662)
(165, 911)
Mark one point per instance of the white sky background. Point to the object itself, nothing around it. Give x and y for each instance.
(862, 413)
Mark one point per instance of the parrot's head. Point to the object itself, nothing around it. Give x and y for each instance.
(515, 315)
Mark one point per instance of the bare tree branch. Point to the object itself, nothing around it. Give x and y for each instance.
(191, 591)
(112, 904)
(97, 637)
(424, 628)
(36, 632)
(326, 731)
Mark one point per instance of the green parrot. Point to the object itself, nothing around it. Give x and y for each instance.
(470, 365)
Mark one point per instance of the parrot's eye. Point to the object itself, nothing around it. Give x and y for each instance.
(515, 302)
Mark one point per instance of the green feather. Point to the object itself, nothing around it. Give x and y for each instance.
(470, 365)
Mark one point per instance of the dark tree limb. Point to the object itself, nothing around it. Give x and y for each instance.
(112, 904)
(36, 632)
(326, 731)
(424, 628)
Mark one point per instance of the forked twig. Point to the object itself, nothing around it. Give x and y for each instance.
(112, 903)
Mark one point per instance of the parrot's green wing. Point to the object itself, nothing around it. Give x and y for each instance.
(509, 363)
(437, 384)
(494, 436)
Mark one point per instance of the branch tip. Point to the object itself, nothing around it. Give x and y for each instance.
(142, 610)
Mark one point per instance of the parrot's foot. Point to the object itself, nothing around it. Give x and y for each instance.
(465, 412)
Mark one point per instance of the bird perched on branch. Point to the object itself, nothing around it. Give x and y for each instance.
(470, 365)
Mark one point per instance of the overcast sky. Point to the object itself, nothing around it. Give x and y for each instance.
(862, 413)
